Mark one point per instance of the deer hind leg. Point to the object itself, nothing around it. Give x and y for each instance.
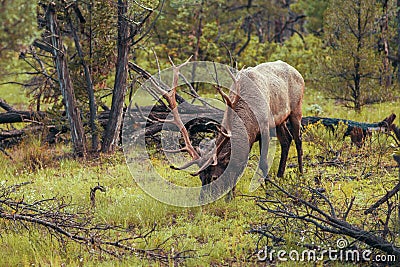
(285, 138)
(295, 121)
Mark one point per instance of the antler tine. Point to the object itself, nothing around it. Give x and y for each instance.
(181, 65)
(236, 84)
(212, 159)
(231, 74)
(227, 135)
(224, 96)
(205, 165)
(170, 96)
(230, 103)
(187, 165)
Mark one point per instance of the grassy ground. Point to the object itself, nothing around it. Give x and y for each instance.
(216, 233)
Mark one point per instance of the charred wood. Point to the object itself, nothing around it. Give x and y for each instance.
(385, 124)
(15, 116)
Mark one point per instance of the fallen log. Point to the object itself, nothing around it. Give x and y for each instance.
(13, 137)
(385, 124)
(357, 130)
(21, 116)
(5, 106)
(14, 116)
(147, 118)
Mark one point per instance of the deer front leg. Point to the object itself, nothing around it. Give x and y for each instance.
(285, 138)
(264, 145)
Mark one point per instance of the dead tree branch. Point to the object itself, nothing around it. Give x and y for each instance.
(80, 226)
(5, 106)
(93, 194)
(382, 200)
(312, 213)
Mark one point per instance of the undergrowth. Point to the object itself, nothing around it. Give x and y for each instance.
(218, 233)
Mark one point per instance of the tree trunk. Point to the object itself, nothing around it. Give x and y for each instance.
(198, 32)
(67, 90)
(89, 85)
(112, 132)
(357, 62)
(398, 39)
(387, 77)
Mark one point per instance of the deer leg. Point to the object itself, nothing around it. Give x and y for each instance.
(295, 121)
(285, 138)
(264, 144)
(230, 196)
(205, 191)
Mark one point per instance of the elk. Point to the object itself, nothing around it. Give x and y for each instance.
(264, 97)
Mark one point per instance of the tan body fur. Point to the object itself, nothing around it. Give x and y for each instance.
(270, 94)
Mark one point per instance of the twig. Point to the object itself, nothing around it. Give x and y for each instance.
(93, 194)
(349, 208)
(6, 153)
(382, 200)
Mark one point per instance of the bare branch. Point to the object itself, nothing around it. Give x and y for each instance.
(382, 200)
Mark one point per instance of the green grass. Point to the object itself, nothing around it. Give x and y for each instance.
(12, 93)
(218, 232)
(369, 113)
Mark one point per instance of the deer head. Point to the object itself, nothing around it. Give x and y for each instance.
(214, 156)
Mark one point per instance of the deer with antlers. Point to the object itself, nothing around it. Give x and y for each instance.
(261, 98)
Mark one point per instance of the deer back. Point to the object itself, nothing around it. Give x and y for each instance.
(271, 89)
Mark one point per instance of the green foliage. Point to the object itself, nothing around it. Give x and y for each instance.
(303, 54)
(18, 29)
(314, 10)
(353, 66)
(193, 31)
(215, 31)
(254, 51)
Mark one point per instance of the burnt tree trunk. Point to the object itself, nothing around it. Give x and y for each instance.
(67, 90)
(112, 132)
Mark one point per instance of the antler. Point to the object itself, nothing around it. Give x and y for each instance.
(213, 157)
(170, 96)
(237, 88)
(231, 103)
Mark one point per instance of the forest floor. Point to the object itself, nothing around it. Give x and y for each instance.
(215, 234)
